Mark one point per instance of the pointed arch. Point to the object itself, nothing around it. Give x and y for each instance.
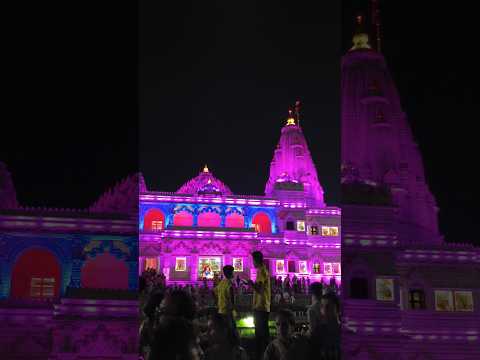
(154, 220)
(262, 223)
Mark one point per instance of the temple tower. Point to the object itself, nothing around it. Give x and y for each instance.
(292, 170)
(377, 143)
(8, 195)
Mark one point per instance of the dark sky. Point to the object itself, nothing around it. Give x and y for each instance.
(216, 81)
(69, 128)
(430, 48)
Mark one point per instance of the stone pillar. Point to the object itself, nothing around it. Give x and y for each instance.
(193, 267)
(223, 216)
(132, 275)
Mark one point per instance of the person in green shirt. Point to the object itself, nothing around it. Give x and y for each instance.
(261, 303)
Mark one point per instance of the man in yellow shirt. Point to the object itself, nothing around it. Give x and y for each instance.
(224, 296)
(261, 303)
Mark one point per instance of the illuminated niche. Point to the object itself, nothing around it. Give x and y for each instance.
(180, 264)
(237, 264)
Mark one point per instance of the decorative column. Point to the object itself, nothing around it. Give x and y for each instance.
(195, 215)
(193, 267)
(78, 258)
(132, 276)
(223, 216)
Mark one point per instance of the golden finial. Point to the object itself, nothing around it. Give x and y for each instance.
(205, 169)
(291, 119)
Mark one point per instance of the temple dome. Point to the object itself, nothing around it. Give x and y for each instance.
(204, 184)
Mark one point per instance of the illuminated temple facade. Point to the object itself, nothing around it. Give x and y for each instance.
(407, 293)
(189, 235)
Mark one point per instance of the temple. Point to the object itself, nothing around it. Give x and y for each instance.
(407, 293)
(189, 235)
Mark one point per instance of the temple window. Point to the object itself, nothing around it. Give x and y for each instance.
(154, 220)
(291, 266)
(314, 230)
(42, 287)
(463, 300)
(301, 225)
(327, 268)
(374, 88)
(384, 289)
(450, 300)
(336, 269)
(237, 264)
(208, 267)
(329, 230)
(359, 288)
(181, 264)
(183, 218)
(302, 267)
(36, 273)
(151, 263)
(316, 269)
(290, 225)
(416, 299)
(157, 225)
(280, 266)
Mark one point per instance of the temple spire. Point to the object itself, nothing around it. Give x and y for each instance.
(376, 23)
(297, 111)
(291, 118)
(360, 37)
(205, 169)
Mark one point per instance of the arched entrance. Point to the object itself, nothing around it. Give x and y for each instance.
(262, 223)
(104, 271)
(36, 274)
(209, 219)
(154, 220)
(234, 220)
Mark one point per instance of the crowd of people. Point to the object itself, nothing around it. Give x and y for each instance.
(194, 322)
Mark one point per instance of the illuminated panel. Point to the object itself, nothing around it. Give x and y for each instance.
(384, 289)
(463, 301)
(180, 264)
(336, 268)
(329, 230)
(151, 263)
(443, 300)
(209, 219)
(183, 218)
(234, 220)
(302, 267)
(237, 264)
(280, 266)
(208, 266)
(327, 268)
(301, 225)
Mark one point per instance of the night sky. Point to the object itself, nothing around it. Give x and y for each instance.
(69, 128)
(217, 89)
(215, 81)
